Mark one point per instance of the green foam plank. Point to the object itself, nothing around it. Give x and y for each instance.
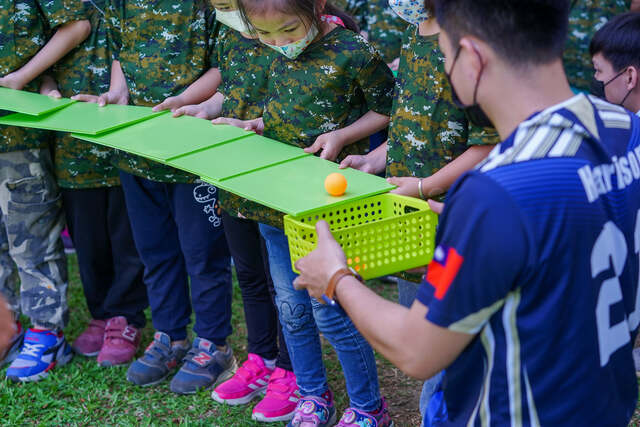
(297, 187)
(84, 118)
(165, 137)
(237, 157)
(30, 103)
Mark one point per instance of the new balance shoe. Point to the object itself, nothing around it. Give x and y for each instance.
(281, 399)
(249, 381)
(14, 346)
(41, 352)
(159, 360)
(121, 342)
(90, 341)
(204, 367)
(355, 418)
(314, 411)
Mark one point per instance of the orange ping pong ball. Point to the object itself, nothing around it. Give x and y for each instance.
(335, 184)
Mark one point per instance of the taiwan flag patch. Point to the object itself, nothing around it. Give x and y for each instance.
(443, 269)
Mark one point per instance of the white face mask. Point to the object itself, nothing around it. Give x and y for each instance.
(232, 19)
(412, 11)
(293, 50)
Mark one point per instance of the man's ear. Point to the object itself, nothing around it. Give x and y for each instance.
(473, 55)
(631, 77)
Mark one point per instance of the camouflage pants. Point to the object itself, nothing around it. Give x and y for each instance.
(33, 269)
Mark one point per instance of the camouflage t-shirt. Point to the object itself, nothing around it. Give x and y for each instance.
(163, 46)
(587, 17)
(244, 66)
(427, 130)
(86, 69)
(329, 86)
(358, 9)
(385, 29)
(25, 27)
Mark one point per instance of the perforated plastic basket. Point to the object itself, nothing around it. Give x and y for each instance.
(380, 235)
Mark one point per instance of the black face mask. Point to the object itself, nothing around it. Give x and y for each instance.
(474, 113)
(597, 88)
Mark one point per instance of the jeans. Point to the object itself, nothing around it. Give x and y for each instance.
(407, 292)
(302, 317)
(181, 242)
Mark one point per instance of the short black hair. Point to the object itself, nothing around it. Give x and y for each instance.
(521, 31)
(619, 41)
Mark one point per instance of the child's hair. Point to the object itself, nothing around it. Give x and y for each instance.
(618, 41)
(305, 9)
(430, 7)
(522, 32)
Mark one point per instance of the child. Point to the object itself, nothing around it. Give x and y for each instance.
(328, 91)
(110, 268)
(243, 63)
(31, 216)
(162, 50)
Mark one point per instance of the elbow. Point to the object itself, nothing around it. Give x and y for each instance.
(81, 30)
(418, 367)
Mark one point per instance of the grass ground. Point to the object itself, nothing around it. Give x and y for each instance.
(81, 393)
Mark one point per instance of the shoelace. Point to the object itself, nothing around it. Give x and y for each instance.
(32, 349)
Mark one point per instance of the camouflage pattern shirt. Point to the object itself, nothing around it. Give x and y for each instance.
(244, 65)
(587, 17)
(427, 130)
(25, 27)
(358, 9)
(86, 69)
(163, 46)
(385, 29)
(329, 86)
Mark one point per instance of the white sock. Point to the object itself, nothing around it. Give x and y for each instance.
(269, 363)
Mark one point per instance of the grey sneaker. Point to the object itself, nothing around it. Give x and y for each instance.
(204, 367)
(158, 361)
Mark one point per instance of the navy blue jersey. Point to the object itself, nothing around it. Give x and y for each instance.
(537, 254)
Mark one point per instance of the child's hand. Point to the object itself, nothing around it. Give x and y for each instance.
(172, 103)
(193, 111)
(104, 99)
(330, 143)
(255, 125)
(366, 163)
(12, 81)
(49, 87)
(406, 186)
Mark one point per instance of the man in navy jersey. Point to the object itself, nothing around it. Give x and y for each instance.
(531, 302)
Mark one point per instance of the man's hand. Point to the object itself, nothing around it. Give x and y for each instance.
(255, 125)
(104, 99)
(330, 143)
(7, 326)
(317, 268)
(172, 103)
(12, 81)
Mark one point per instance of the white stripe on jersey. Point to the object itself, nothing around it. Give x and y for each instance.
(513, 357)
(533, 412)
(489, 344)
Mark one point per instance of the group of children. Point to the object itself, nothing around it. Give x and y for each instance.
(298, 71)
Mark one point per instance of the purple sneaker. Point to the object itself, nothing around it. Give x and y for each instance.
(355, 418)
(90, 341)
(314, 411)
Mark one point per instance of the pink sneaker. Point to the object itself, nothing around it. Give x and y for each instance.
(248, 382)
(121, 342)
(89, 343)
(279, 404)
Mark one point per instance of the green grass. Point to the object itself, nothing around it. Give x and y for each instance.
(82, 393)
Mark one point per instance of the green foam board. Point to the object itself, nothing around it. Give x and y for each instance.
(84, 118)
(30, 103)
(237, 157)
(296, 187)
(165, 137)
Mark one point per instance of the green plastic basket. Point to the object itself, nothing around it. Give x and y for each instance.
(380, 235)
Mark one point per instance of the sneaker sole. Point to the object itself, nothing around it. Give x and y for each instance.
(109, 364)
(224, 376)
(263, 419)
(152, 383)
(85, 354)
(240, 400)
(44, 374)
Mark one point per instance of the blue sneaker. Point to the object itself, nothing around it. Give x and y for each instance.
(159, 360)
(14, 347)
(41, 352)
(204, 367)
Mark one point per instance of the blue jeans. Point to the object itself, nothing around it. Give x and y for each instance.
(297, 313)
(181, 242)
(407, 292)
